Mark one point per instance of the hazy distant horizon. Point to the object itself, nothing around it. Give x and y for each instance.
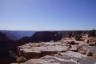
(47, 30)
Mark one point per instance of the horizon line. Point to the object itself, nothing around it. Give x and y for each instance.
(49, 30)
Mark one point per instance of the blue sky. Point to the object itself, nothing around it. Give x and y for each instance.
(47, 14)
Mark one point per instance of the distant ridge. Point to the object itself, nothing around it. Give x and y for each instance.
(15, 35)
(19, 34)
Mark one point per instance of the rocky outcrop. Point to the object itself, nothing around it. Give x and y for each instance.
(44, 48)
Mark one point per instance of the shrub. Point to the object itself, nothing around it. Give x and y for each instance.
(92, 33)
(21, 59)
(78, 37)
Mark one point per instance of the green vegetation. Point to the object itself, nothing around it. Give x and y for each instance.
(92, 33)
(78, 37)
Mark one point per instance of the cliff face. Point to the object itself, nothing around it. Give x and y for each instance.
(5, 45)
(41, 36)
(46, 36)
